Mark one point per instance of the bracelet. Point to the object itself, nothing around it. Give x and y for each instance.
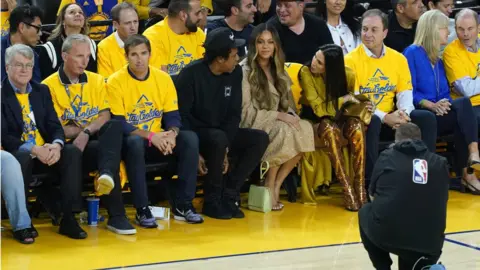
(150, 138)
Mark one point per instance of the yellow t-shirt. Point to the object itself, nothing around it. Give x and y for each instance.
(143, 103)
(380, 79)
(30, 130)
(85, 101)
(460, 63)
(293, 69)
(110, 56)
(5, 24)
(172, 50)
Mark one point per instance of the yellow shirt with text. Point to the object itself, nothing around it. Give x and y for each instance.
(85, 101)
(380, 79)
(143, 103)
(110, 56)
(30, 130)
(460, 63)
(172, 50)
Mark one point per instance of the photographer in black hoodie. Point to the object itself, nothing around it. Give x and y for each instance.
(407, 215)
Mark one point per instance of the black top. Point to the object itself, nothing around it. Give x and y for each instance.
(210, 101)
(410, 189)
(244, 34)
(301, 48)
(398, 38)
(47, 67)
(46, 118)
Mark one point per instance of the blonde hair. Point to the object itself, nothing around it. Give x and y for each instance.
(428, 33)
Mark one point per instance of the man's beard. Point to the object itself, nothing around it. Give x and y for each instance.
(191, 26)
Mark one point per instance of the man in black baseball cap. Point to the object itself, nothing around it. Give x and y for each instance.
(210, 103)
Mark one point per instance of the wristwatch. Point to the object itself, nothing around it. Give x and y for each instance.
(87, 131)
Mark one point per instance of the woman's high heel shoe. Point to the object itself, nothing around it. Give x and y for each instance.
(467, 187)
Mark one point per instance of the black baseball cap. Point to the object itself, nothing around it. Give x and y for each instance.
(221, 38)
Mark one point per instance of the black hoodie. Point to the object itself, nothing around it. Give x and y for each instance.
(410, 190)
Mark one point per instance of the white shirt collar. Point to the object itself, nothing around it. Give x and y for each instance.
(371, 54)
(120, 42)
(340, 24)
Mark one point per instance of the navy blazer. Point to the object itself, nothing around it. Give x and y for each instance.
(45, 116)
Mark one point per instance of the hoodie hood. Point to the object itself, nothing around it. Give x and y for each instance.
(410, 147)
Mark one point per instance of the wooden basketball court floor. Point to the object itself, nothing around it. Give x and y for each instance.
(299, 237)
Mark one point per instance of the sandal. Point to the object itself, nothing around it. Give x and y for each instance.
(467, 187)
(24, 236)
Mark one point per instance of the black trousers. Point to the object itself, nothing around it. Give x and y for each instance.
(68, 169)
(246, 150)
(407, 260)
(184, 158)
(103, 153)
(462, 122)
(377, 131)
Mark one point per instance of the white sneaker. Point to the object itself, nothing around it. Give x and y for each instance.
(105, 184)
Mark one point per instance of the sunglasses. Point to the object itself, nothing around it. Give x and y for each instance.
(37, 27)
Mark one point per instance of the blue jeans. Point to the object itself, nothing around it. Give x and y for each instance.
(13, 192)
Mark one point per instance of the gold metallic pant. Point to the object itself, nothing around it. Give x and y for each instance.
(331, 139)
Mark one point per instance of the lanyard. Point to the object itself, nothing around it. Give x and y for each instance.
(78, 109)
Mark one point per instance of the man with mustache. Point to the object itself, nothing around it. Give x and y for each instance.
(177, 40)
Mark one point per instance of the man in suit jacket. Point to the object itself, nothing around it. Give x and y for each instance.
(32, 132)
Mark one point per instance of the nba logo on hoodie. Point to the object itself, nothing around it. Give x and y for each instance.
(420, 171)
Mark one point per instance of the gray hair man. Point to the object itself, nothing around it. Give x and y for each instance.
(30, 128)
(80, 100)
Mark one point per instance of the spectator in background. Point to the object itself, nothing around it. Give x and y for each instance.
(100, 10)
(383, 75)
(80, 101)
(341, 21)
(177, 40)
(145, 100)
(301, 33)
(327, 84)
(111, 53)
(432, 92)
(13, 193)
(408, 212)
(239, 15)
(7, 6)
(25, 28)
(402, 22)
(30, 128)
(446, 7)
(268, 105)
(71, 20)
(214, 84)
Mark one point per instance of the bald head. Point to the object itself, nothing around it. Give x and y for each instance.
(466, 13)
(466, 26)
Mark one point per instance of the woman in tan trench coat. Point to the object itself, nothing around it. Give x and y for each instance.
(268, 105)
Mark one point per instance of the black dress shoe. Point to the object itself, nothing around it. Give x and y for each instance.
(33, 231)
(24, 236)
(69, 227)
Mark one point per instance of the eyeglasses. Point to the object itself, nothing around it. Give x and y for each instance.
(37, 27)
(22, 66)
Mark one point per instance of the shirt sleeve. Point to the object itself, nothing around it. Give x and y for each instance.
(232, 120)
(410, 54)
(159, 53)
(404, 76)
(171, 99)
(467, 86)
(53, 93)
(405, 101)
(185, 89)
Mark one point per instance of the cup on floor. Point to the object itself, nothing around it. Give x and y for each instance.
(93, 205)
